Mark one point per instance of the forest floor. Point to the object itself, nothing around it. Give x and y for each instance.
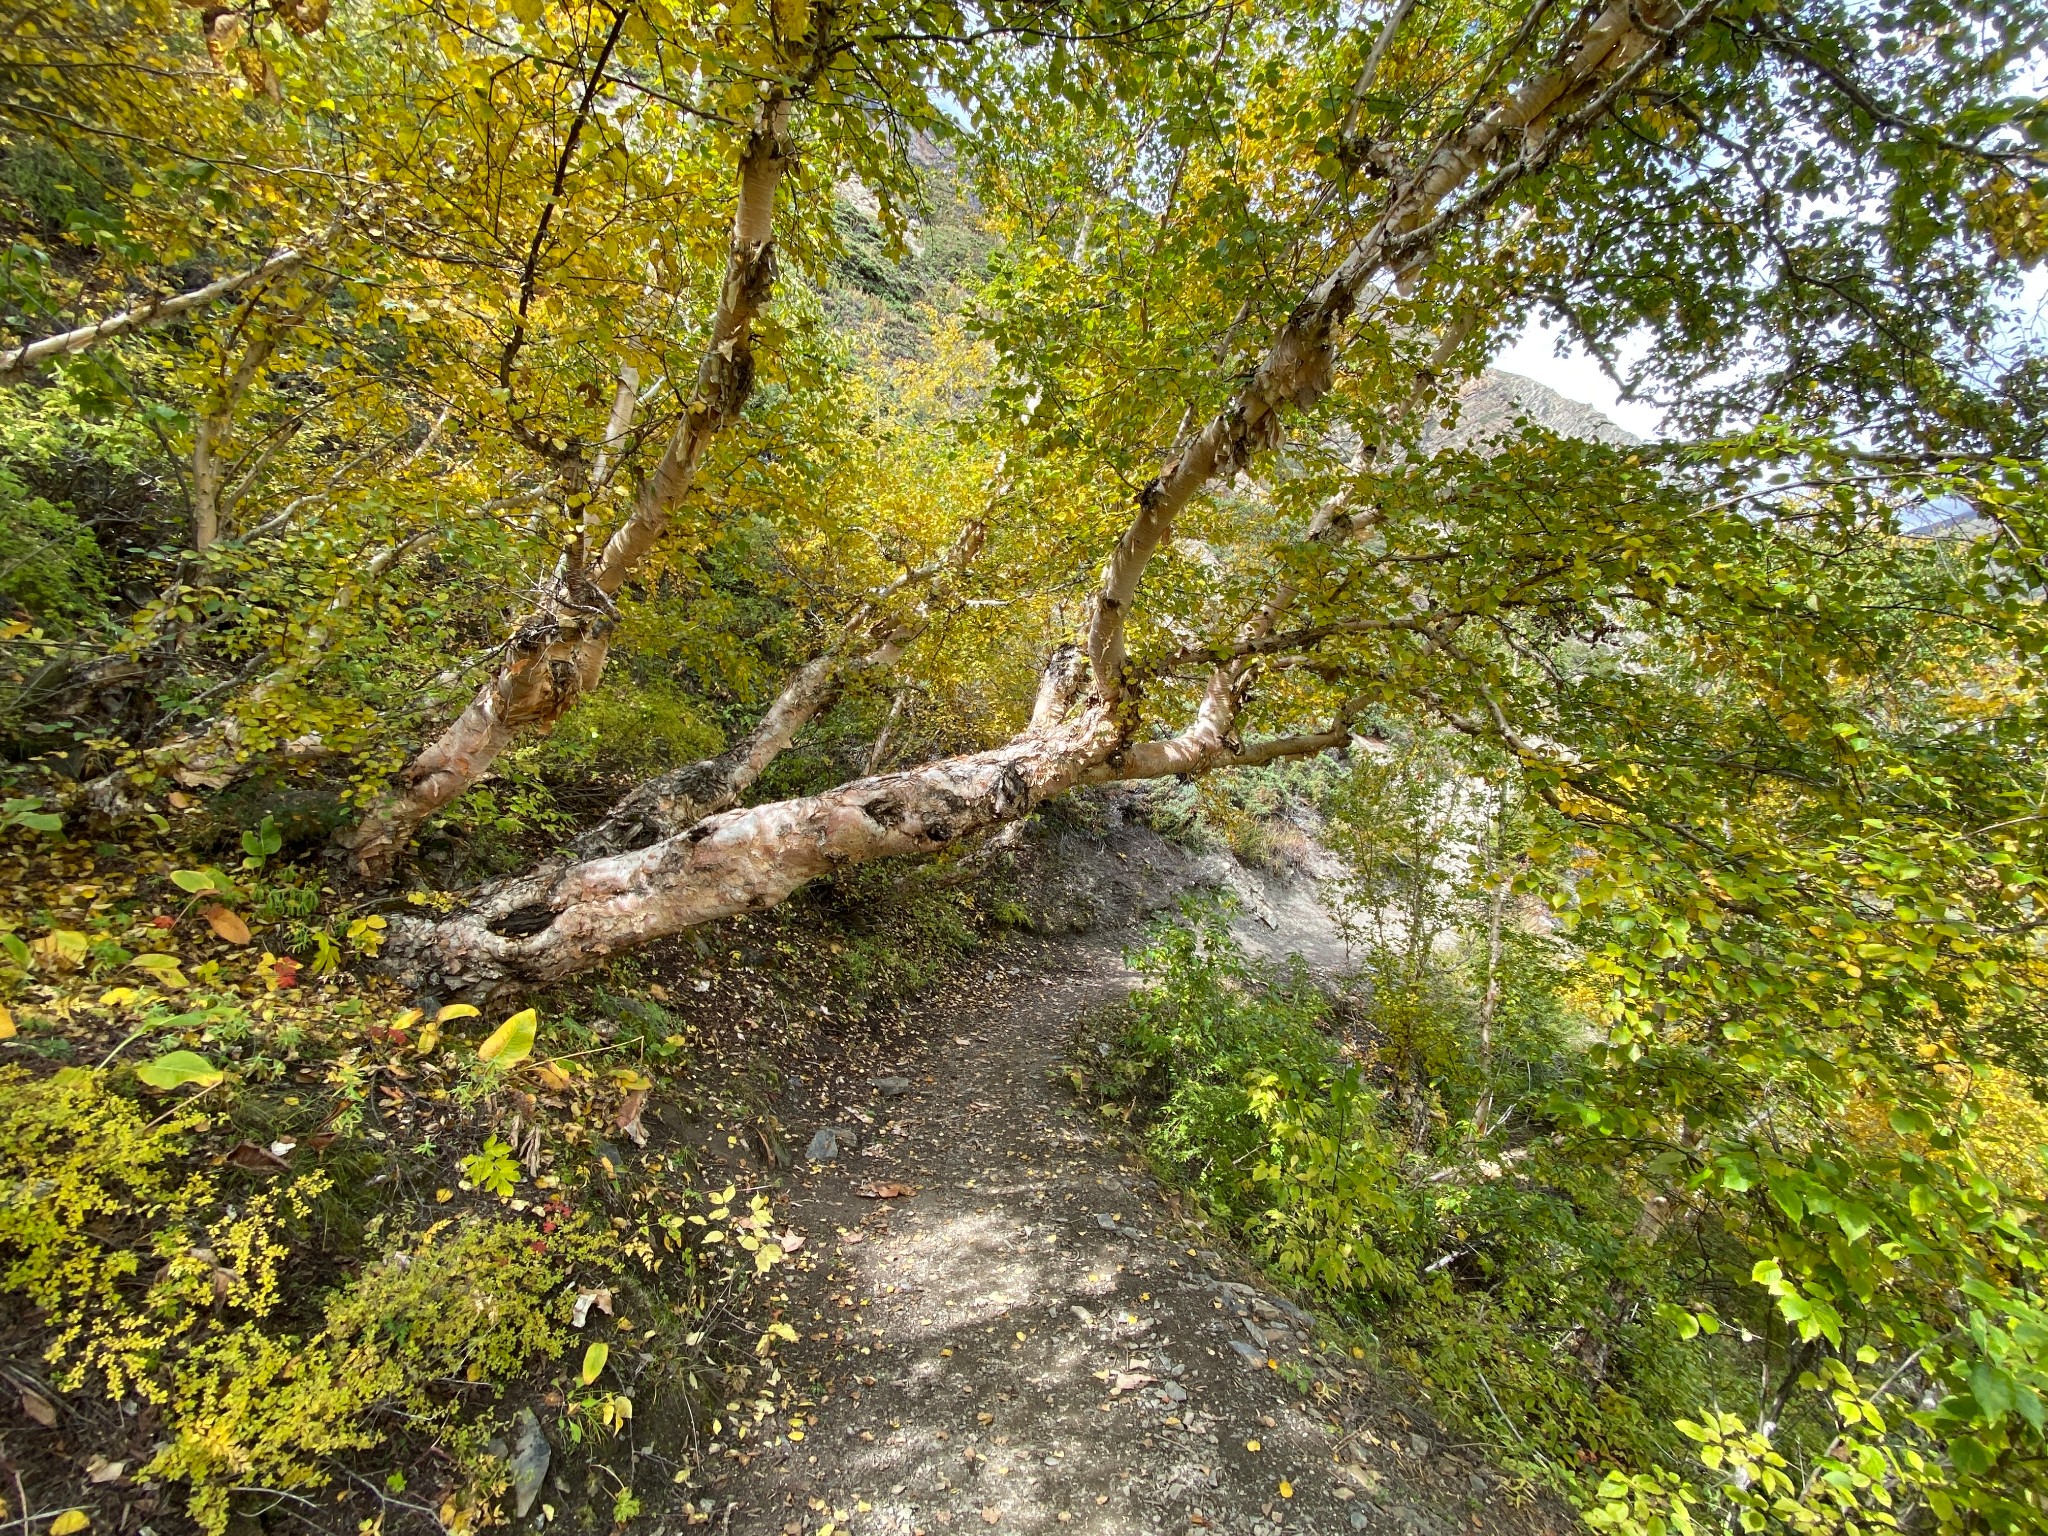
(1006, 1323)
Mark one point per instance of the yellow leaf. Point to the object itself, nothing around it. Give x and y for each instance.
(70, 1523)
(554, 1077)
(6, 1023)
(456, 1011)
(512, 1041)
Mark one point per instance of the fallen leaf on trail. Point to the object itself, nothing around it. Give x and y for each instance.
(512, 1041)
(658, 992)
(585, 1300)
(177, 1068)
(851, 1237)
(554, 1077)
(1130, 1381)
(458, 1011)
(991, 1516)
(6, 1023)
(884, 1191)
(101, 1470)
(789, 1242)
(628, 1118)
(594, 1359)
(246, 1154)
(70, 1523)
(226, 924)
(39, 1408)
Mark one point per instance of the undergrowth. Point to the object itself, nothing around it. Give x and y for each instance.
(1505, 1277)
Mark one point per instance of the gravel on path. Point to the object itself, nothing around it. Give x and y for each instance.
(1006, 1324)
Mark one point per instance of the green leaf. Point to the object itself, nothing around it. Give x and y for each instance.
(177, 1069)
(1908, 1121)
(196, 881)
(1993, 1390)
(594, 1359)
(512, 1041)
(1973, 1458)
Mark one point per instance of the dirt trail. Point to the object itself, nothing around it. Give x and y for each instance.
(1036, 1340)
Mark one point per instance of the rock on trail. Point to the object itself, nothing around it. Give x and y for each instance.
(1035, 1339)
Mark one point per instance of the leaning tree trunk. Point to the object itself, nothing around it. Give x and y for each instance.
(557, 653)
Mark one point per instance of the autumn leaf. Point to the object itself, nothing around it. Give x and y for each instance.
(62, 947)
(7, 1030)
(553, 1076)
(39, 1408)
(512, 1041)
(884, 1191)
(70, 1523)
(226, 924)
(594, 1359)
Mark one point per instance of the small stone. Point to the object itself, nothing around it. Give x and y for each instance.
(824, 1147)
(1175, 1391)
(530, 1456)
(892, 1087)
(1105, 1221)
(1419, 1444)
(1255, 1358)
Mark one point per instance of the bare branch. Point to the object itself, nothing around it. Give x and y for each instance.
(17, 365)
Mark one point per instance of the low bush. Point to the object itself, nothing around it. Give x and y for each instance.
(154, 1286)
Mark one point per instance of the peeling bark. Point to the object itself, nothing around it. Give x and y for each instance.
(561, 920)
(1527, 130)
(568, 916)
(558, 652)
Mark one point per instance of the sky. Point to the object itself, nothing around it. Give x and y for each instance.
(1534, 354)
(1575, 375)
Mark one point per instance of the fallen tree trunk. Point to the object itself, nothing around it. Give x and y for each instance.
(569, 916)
(558, 921)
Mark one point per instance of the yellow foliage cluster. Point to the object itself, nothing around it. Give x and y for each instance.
(104, 1196)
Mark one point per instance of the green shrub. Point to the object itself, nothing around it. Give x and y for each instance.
(630, 728)
(1258, 1114)
(103, 1197)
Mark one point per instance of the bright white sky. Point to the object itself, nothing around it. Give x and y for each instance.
(1575, 375)
(1534, 355)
